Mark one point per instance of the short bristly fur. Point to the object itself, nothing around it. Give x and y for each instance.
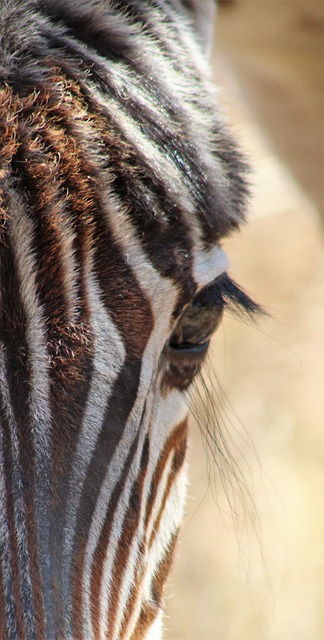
(118, 181)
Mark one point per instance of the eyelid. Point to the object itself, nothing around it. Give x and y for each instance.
(209, 265)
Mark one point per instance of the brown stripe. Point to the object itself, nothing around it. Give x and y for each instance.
(177, 441)
(70, 346)
(130, 527)
(151, 609)
(117, 412)
(102, 546)
(177, 462)
(162, 573)
(55, 179)
(36, 179)
(147, 616)
(130, 311)
(66, 153)
(135, 591)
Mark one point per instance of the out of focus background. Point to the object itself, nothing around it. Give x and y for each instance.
(251, 559)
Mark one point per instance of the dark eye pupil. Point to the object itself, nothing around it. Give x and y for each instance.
(196, 326)
(199, 320)
(189, 341)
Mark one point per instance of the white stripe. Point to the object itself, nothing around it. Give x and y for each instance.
(68, 262)
(109, 356)
(170, 412)
(21, 235)
(162, 296)
(116, 531)
(208, 265)
(169, 525)
(114, 472)
(162, 165)
(162, 423)
(133, 557)
(160, 292)
(155, 631)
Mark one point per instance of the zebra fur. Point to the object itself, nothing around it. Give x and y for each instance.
(118, 182)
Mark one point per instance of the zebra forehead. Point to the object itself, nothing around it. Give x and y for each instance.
(132, 95)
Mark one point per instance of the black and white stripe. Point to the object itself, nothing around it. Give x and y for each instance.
(118, 181)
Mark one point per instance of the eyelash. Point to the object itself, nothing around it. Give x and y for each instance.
(207, 309)
(189, 341)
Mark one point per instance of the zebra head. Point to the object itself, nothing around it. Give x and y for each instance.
(118, 182)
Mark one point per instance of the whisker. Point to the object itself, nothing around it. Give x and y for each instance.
(227, 447)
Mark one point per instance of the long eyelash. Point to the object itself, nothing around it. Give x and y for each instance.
(230, 296)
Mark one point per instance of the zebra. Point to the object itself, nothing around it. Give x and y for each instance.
(119, 181)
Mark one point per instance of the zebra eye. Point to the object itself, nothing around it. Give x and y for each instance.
(197, 324)
(188, 343)
(199, 321)
(189, 340)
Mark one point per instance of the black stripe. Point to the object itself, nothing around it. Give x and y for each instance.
(126, 304)
(103, 543)
(219, 193)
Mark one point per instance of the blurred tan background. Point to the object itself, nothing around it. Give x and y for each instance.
(255, 570)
